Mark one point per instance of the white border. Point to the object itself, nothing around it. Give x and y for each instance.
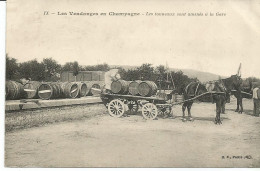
(2, 106)
(2, 78)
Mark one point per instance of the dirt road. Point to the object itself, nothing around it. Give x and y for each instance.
(103, 141)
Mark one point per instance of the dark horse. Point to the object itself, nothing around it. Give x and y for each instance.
(234, 85)
(196, 89)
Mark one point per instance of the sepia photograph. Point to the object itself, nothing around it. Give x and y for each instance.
(132, 84)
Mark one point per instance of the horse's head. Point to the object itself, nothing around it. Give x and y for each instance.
(233, 82)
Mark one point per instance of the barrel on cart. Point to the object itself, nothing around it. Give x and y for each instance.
(147, 88)
(133, 87)
(119, 87)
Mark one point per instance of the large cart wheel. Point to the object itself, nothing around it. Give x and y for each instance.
(116, 108)
(149, 111)
(132, 106)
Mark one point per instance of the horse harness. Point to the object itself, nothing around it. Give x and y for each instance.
(196, 90)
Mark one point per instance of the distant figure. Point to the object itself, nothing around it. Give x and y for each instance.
(110, 76)
(256, 99)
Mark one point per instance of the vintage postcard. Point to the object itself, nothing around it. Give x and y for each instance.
(132, 84)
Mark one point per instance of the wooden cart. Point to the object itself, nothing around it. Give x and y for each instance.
(118, 104)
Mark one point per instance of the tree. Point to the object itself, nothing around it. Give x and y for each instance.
(99, 67)
(12, 68)
(181, 81)
(146, 72)
(32, 69)
(67, 67)
(52, 69)
(129, 75)
(75, 69)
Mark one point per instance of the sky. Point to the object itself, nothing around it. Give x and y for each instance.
(215, 44)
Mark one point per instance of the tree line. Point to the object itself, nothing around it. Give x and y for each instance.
(46, 70)
(49, 70)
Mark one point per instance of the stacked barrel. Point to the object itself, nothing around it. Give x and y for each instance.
(135, 88)
(13, 90)
(50, 90)
(31, 89)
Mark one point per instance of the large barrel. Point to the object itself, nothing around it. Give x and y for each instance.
(133, 87)
(147, 88)
(31, 89)
(69, 89)
(119, 87)
(82, 89)
(49, 91)
(14, 90)
(95, 89)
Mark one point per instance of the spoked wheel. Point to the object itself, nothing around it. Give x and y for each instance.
(132, 106)
(149, 111)
(116, 108)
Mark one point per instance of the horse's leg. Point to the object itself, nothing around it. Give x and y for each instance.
(237, 104)
(218, 110)
(223, 106)
(189, 111)
(183, 111)
(241, 105)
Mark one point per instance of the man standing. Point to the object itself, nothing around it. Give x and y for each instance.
(256, 98)
(110, 76)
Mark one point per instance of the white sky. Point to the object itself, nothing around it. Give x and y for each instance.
(210, 44)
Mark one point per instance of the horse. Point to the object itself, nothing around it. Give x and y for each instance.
(234, 85)
(196, 89)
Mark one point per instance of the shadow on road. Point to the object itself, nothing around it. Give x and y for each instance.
(246, 111)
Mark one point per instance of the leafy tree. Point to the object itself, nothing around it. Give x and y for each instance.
(67, 67)
(12, 68)
(52, 69)
(75, 69)
(146, 72)
(99, 67)
(32, 69)
(129, 75)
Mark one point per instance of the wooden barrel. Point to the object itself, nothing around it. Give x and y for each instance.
(95, 89)
(49, 91)
(119, 87)
(147, 88)
(69, 89)
(31, 89)
(14, 90)
(82, 89)
(133, 87)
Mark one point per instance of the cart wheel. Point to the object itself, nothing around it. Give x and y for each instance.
(116, 108)
(149, 111)
(132, 106)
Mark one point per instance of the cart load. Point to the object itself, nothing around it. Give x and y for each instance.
(136, 88)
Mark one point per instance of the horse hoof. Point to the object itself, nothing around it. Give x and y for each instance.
(184, 119)
(191, 119)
